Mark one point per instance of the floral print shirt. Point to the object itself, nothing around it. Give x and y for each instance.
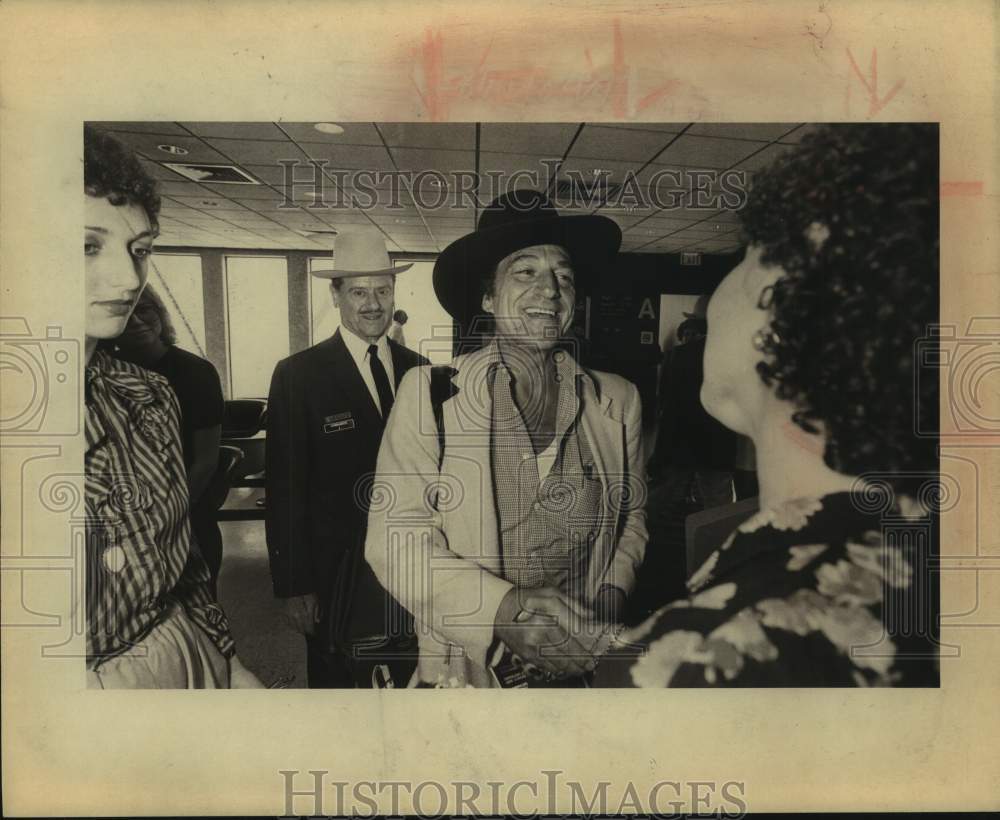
(832, 591)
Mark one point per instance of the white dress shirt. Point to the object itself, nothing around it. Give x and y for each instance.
(358, 349)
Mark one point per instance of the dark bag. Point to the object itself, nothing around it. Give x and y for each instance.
(370, 627)
(366, 623)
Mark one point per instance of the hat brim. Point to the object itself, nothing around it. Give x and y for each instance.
(329, 273)
(591, 241)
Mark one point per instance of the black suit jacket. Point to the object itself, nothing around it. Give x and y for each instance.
(323, 435)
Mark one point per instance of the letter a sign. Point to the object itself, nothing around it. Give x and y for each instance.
(646, 311)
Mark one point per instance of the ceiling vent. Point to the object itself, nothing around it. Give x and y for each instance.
(570, 192)
(215, 174)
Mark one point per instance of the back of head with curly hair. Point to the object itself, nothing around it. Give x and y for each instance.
(851, 216)
(113, 171)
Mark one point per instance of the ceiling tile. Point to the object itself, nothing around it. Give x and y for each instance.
(797, 135)
(164, 128)
(157, 171)
(742, 130)
(357, 157)
(764, 158)
(709, 230)
(550, 140)
(355, 133)
(207, 203)
(659, 224)
(198, 219)
(668, 127)
(170, 187)
(507, 165)
(708, 152)
(426, 159)
(623, 220)
(732, 217)
(457, 136)
(268, 206)
(686, 214)
(719, 245)
(236, 130)
(450, 222)
(258, 152)
(148, 146)
(274, 174)
(351, 217)
(398, 220)
(618, 144)
(240, 192)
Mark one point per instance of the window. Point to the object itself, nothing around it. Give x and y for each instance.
(429, 328)
(257, 321)
(178, 280)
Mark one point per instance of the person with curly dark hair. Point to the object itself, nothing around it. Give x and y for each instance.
(152, 621)
(829, 583)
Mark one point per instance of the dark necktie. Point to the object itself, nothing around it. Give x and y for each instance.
(381, 381)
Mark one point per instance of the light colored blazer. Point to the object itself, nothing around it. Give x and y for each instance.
(442, 561)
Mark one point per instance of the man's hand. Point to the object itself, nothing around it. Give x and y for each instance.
(609, 605)
(242, 678)
(547, 629)
(302, 612)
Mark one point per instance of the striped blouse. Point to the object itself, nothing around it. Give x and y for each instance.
(140, 551)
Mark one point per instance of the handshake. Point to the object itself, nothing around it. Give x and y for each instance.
(556, 635)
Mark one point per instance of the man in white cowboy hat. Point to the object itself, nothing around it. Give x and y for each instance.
(327, 409)
(517, 523)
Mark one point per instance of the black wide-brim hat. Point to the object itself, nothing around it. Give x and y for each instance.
(513, 221)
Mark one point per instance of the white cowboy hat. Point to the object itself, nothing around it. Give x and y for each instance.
(360, 251)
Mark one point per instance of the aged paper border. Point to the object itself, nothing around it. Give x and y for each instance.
(70, 751)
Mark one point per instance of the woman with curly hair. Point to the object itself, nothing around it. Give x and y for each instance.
(152, 621)
(811, 353)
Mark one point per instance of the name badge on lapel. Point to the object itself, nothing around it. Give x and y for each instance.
(338, 422)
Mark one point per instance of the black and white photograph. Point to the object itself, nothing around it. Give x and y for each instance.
(518, 409)
(659, 429)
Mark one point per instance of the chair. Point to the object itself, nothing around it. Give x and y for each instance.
(242, 423)
(243, 418)
(218, 488)
(706, 530)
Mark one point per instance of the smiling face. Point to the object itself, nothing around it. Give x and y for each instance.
(534, 296)
(366, 304)
(118, 241)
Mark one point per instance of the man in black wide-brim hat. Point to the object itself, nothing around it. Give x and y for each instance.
(514, 526)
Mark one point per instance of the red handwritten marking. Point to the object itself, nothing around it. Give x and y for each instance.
(655, 95)
(871, 84)
(619, 74)
(433, 57)
(606, 87)
(971, 188)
